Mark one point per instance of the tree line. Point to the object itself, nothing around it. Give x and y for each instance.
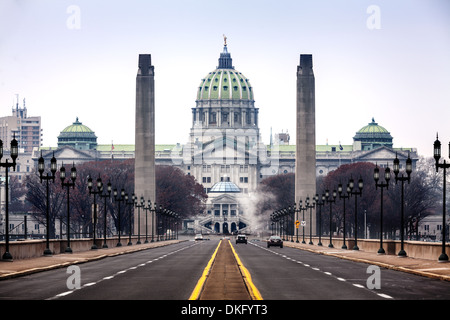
(422, 197)
(175, 191)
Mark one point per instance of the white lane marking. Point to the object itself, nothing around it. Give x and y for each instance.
(119, 272)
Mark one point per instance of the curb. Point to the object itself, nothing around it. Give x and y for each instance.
(380, 264)
(80, 261)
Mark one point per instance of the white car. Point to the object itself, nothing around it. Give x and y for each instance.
(198, 237)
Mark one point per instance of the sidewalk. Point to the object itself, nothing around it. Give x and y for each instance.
(18, 268)
(423, 267)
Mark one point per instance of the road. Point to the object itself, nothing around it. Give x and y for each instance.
(171, 273)
(293, 274)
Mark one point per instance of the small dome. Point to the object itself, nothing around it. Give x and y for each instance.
(78, 136)
(373, 127)
(225, 186)
(77, 127)
(373, 136)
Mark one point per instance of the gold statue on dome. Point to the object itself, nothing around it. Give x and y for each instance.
(225, 40)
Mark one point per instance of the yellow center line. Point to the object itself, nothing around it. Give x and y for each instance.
(254, 292)
(198, 288)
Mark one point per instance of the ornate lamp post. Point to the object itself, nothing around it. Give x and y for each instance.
(99, 191)
(376, 177)
(437, 155)
(139, 206)
(408, 170)
(68, 184)
(41, 168)
(14, 154)
(149, 207)
(105, 196)
(320, 204)
(119, 200)
(296, 211)
(330, 201)
(342, 196)
(129, 216)
(310, 206)
(302, 209)
(351, 184)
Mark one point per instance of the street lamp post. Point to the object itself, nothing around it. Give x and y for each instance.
(310, 206)
(376, 177)
(139, 206)
(408, 170)
(291, 213)
(14, 154)
(327, 194)
(437, 155)
(68, 184)
(105, 196)
(129, 216)
(119, 200)
(158, 220)
(99, 191)
(303, 209)
(320, 204)
(296, 211)
(41, 168)
(342, 196)
(351, 184)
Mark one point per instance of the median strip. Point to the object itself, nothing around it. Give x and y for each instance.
(225, 278)
(200, 283)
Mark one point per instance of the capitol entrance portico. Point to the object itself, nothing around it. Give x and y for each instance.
(224, 213)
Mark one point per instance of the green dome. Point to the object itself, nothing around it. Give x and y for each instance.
(77, 127)
(373, 136)
(78, 136)
(225, 83)
(373, 128)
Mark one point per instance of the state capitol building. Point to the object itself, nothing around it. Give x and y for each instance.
(225, 152)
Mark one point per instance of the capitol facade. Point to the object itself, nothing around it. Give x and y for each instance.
(225, 152)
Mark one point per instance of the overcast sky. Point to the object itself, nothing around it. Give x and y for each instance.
(389, 60)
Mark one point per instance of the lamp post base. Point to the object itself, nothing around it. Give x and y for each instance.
(48, 252)
(7, 256)
(381, 251)
(68, 250)
(443, 258)
(402, 254)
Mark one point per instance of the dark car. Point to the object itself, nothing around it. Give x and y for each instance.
(275, 241)
(241, 239)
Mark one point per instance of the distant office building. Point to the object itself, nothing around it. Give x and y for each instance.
(27, 130)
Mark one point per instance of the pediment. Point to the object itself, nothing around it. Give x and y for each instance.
(70, 154)
(224, 198)
(381, 153)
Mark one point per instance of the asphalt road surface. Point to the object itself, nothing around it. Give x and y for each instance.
(171, 273)
(293, 274)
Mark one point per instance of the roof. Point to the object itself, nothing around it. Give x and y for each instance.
(77, 127)
(373, 127)
(373, 132)
(225, 83)
(225, 187)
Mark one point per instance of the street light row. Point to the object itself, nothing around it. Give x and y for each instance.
(166, 215)
(328, 197)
